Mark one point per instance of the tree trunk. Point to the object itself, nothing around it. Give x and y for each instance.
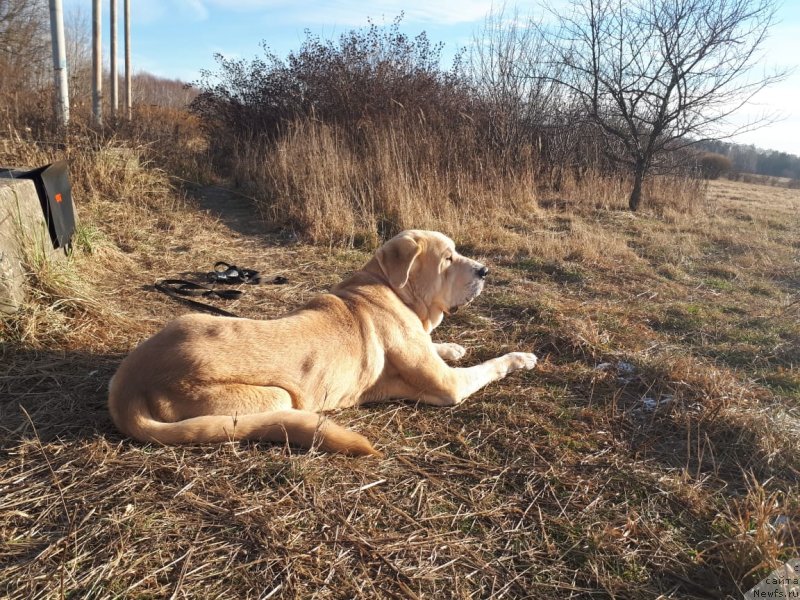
(636, 193)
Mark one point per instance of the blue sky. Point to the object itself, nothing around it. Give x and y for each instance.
(178, 38)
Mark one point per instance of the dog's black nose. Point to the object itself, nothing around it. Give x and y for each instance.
(482, 272)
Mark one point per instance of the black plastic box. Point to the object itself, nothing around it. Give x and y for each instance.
(55, 196)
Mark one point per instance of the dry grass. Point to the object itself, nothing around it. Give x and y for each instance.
(675, 477)
(336, 188)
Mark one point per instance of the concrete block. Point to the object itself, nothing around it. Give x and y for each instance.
(23, 237)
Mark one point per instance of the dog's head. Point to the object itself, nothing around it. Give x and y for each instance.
(423, 267)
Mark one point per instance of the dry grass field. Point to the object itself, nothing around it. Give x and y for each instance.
(654, 453)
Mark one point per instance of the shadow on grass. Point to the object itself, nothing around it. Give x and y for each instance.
(511, 455)
(59, 394)
(706, 427)
(706, 450)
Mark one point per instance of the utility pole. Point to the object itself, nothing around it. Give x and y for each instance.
(114, 76)
(97, 64)
(128, 94)
(59, 62)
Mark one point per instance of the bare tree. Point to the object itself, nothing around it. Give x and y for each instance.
(24, 45)
(524, 110)
(658, 75)
(516, 106)
(78, 32)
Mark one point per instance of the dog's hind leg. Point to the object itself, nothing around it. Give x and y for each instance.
(242, 413)
(234, 398)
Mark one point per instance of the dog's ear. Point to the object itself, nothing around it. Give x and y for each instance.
(396, 258)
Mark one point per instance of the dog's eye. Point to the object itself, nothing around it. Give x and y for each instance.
(448, 259)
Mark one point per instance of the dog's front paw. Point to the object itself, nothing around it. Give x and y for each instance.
(450, 351)
(522, 360)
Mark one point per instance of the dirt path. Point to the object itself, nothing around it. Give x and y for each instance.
(216, 224)
(237, 211)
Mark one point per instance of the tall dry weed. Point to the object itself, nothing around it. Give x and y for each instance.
(334, 186)
(595, 189)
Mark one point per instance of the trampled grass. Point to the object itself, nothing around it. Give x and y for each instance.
(654, 453)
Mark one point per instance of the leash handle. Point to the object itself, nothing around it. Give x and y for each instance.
(226, 273)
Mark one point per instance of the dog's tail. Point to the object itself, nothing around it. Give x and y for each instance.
(297, 427)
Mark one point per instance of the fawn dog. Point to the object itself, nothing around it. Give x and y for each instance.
(208, 379)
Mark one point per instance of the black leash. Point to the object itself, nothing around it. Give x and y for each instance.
(222, 273)
(180, 288)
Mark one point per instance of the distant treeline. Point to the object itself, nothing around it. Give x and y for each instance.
(750, 159)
